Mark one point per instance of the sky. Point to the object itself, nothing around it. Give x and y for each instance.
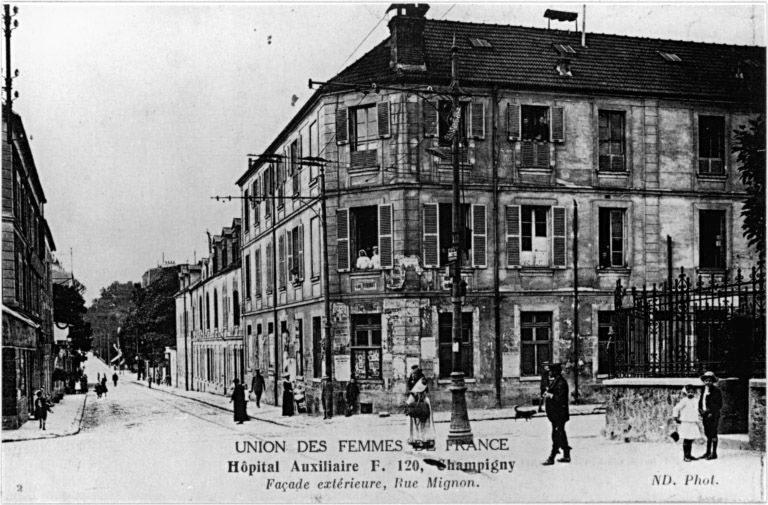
(138, 113)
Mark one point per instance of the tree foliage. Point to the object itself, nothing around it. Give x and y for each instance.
(749, 145)
(151, 325)
(110, 311)
(69, 309)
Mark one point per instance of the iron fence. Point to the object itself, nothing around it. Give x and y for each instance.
(684, 327)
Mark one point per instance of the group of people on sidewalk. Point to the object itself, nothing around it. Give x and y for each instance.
(689, 410)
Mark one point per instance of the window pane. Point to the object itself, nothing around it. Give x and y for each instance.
(542, 355)
(541, 222)
(526, 333)
(375, 337)
(527, 360)
(542, 334)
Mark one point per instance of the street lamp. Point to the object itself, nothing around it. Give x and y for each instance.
(460, 431)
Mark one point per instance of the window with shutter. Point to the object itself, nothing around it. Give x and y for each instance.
(557, 123)
(513, 235)
(342, 133)
(270, 267)
(385, 236)
(257, 272)
(513, 121)
(342, 239)
(479, 234)
(559, 232)
(247, 203)
(430, 118)
(300, 249)
(281, 261)
(431, 235)
(290, 266)
(478, 120)
(383, 118)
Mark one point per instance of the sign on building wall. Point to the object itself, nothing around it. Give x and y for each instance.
(341, 367)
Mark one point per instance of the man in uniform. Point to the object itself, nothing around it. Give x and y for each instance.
(557, 413)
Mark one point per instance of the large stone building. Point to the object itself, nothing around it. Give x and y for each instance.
(209, 338)
(27, 290)
(632, 133)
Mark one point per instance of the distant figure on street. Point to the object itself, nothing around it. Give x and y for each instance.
(287, 396)
(325, 398)
(363, 261)
(422, 422)
(97, 388)
(416, 376)
(686, 415)
(258, 387)
(84, 384)
(375, 258)
(114, 379)
(104, 385)
(557, 413)
(42, 407)
(238, 397)
(710, 404)
(352, 393)
(544, 383)
(298, 396)
(149, 381)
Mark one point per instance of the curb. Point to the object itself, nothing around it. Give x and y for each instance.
(212, 405)
(77, 422)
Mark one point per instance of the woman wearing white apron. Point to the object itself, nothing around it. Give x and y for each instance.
(422, 427)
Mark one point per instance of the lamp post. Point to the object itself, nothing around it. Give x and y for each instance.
(460, 431)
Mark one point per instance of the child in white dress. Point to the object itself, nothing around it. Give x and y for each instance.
(686, 414)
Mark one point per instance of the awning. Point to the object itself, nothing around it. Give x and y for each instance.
(21, 318)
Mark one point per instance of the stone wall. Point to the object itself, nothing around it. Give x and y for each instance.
(757, 414)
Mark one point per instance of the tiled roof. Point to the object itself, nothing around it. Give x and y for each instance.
(525, 58)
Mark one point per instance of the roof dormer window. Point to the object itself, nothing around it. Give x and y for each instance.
(671, 57)
(564, 68)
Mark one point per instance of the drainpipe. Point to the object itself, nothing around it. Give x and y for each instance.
(274, 289)
(496, 249)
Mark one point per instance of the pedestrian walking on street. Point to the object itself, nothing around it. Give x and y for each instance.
(104, 385)
(238, 398)
(543, 384)
(557, 413)
(686, 415)
(258, 387)
(97, 388)
(710, 403)
(114, 378)
(287, 396)
(325, 397)
(422, 422)
(42, 407)
(352, 393)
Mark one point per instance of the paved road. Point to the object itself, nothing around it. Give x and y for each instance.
(142, 445)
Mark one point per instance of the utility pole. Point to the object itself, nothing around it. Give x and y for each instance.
(8, 27)
(460, 431)
(575, 302)
(328, 376)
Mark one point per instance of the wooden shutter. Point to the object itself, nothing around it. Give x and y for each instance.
(477, 122)
(299, 245)
(479, 234)
(513, 235)
(527, 154)
(431, 235)
(289, 266)
(557, 124)
(430, 118)
(558, 236)
(342, 239)
(385, 235)
(254, 192)
(382, 114)
(342, 132)
(281, 261)
(513, 121)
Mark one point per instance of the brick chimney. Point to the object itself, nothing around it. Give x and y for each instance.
(407, 37)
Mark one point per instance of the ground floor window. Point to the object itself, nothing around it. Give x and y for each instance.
(606, 338)
(535, 341)
(445, 334)
(366, 346)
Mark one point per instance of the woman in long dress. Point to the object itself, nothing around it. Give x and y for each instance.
(238, 397)
(422, 431)
(287, 396)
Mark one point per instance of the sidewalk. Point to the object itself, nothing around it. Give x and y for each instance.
(64, 421)
(272, 414)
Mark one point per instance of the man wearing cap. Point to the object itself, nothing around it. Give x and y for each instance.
(416, 376)
(710, 403)
(557, 413)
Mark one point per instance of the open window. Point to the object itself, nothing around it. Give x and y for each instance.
(535, 236)
(712, 239)
(612, 238)
(535, 126)
(437, 237)
(364, 237)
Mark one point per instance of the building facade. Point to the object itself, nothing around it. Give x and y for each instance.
(213, 339)
(630, 135)
(28, 348)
